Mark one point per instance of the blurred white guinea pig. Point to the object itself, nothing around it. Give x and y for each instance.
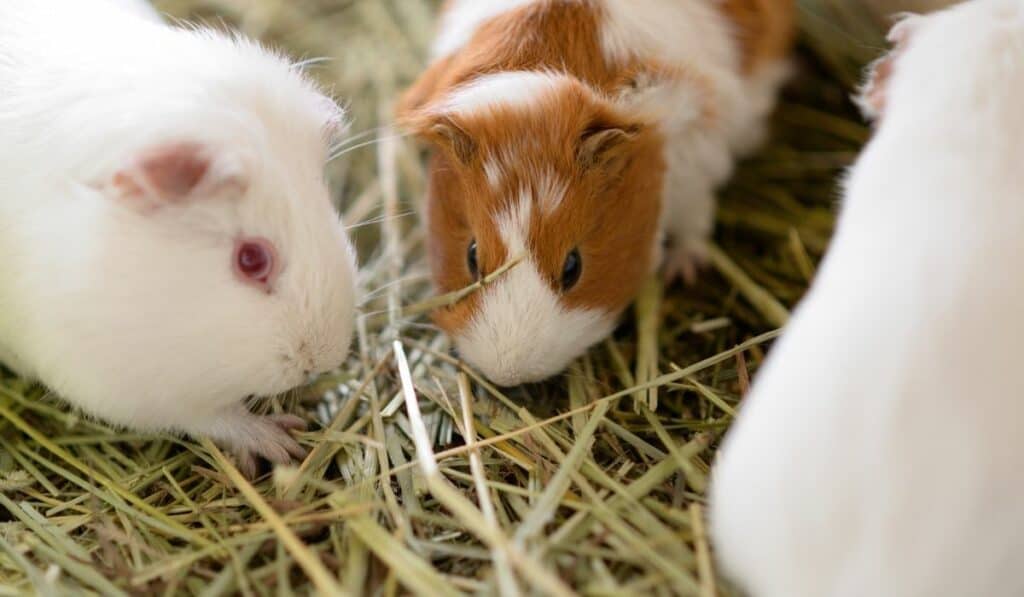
(880, 451)
(169, 248)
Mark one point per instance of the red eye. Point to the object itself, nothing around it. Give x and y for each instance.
(255, 262)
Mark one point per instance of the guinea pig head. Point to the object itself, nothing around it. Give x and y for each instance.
(549, 196)
(226, 271)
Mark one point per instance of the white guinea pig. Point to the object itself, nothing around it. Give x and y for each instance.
(880, 450)
(169, 248)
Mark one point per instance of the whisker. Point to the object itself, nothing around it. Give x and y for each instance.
(350, 139)
(404, 318)
(304, 64)
(342, 152)
(372, 294)
(378, 220)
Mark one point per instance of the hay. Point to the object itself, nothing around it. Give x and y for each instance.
(594, 484)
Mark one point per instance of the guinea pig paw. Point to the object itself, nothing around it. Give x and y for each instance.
(267, 437)
(684, 262)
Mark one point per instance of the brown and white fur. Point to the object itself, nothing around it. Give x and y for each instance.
(601, 126)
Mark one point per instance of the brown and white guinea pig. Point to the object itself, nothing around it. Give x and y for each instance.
(578, 134)
(168, 247)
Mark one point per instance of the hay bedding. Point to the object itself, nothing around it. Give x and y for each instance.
(593, 484)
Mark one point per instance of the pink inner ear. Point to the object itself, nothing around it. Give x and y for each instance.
(175, 170)
(174, 173)
(168, 173)
(874, 93)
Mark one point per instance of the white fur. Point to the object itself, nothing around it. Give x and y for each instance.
(514, 225)
(880, 450)
(493, 172)
(464, 17)
(514, 88)
(551, 190)
(138, 318)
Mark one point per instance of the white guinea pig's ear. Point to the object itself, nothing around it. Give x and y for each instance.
(904, 27)
(871, 98)
(176, 173)
(336, 123)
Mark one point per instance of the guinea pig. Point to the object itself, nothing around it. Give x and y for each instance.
(576, 135)
(169, 247)
(879, 451)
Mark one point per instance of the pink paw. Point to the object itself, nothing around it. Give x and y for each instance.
(685, 262)
(267, 437)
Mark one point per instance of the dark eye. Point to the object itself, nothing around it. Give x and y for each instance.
(571, 270)
(471, 262)
(255, 261)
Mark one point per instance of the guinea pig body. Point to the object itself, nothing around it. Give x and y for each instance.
(575, 135)
(879, 451)
(169, 248)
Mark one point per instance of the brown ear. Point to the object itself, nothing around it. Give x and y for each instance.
(447, 133)
(175, 173)
(601, 143)
(873, 93)
(444, 132)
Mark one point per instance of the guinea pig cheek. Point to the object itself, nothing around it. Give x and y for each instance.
(255, 262)
(456, 318)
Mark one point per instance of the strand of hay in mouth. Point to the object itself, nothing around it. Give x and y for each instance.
(451, 298)
(591, 484)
